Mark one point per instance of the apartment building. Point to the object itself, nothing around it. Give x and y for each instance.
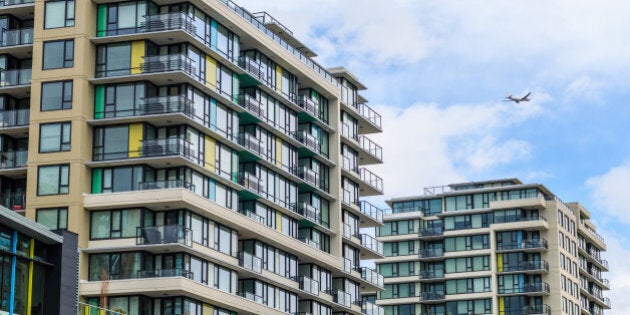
(206, 162)
(495, 247)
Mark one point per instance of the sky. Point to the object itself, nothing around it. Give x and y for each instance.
(437, 72)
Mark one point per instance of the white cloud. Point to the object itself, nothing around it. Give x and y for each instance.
(584, 88)
(610, 191)
(619, 275)
(426, 145)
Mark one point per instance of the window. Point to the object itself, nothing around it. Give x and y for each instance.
(223, 239)
(53, 180)
(222, 279)
(58, 54)
(115, 223)
(59, 14)
(56, 95)
(113, 60)
(54, 137)
(53, 218)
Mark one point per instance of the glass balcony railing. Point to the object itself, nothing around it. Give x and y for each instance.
(349, 165)
(527, 266)
(372, 211)
(310, 176)
(309, 212)
(250, 262)
(83, 308)
(13, 201)
(347, 231)
(371, 243)
(167, 63)
(13, 159)
(371, 179)
(15, 77)
(431, 274)
(525, 244)
(174, 104)
(307, 140)
(309, 242)
(341, 297)
(168, 21)
(309, 285)
(309, 105)
(431, 231)
(349, 198)
(165, 273)
(371, 276)
(14, 118)
(167, 147)
(254, 68)
(250, 182)
(432, 296)
(6, 3)
(542, 309)
(431, 253)
(346, 265)
(534, 287)
(166, 184)
(252, 215)
(371, 147)
(371, 115)
(164, 234)
(252, 297)
(368, 308)
(17, 37)
(252, 143)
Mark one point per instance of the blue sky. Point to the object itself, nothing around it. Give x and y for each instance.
(438, 70)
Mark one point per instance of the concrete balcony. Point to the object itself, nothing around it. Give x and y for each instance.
(431, 275)
(528, 245)
(164, 234)
(431, 254)
(535, 201)
(530, 267)
(17, 42)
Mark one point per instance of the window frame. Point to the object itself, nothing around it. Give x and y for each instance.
(68, 44)
(62, 143)
(60, 181)
(69, 19)
(58, 211)
(66, 100)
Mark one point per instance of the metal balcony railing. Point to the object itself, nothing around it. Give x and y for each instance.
(431, 253)
(525, 244)
(368, 308)
(527, 266)
(308, 285)
(309, 105)
(371, 115)
(250, 262)
(430, 231)
(308, 140)
(167, 147)
(309, 242)
(16, 37)
(13, 159)
(372, 211)
(542, 309)
(534, 287)
(168, 21)
(83, 308)
(252, 143)
(371, 147)
(431, 274)
(164, 234)
(168, 63)
(166, 184)
(165, 273)
(309, 212)
(371, 179)
(13, 201)
(250, 182)
(371, 243)
(371, 276)
(341, 297)
(152, 106)
(253, 215)
(252, 105)
(252, 297)
(254, 68)
(432, 296)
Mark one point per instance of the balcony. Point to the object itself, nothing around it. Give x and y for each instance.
(15, 118)
(373, 277)
(371, 244)
(431, 232)
(543, 309)
(164, 234)
(252, 105)
(166, 184)
(13, 201)
(373, 181)
(165, 273)
(311, 177)
(368, 308)
(161, 105)
(16, 37)
(252, 215)
(347, 231)
(308, 285)
(534, 266)
(253, 68)
(83, 308)
(252, 144)
(349, 199)
(369, 151)
(157, 64)
(309, 106)
(309, 212)
(432, 274)
(309, 141)
(8, 3)
(431, 253)
(167, 147)
(431, 296)
(14, 78)
(346, 265)
(372, 212)
(252, 297)
(13, 159)
(249, 181)
(168, 21)
(538, 288)
(167, 63)
(527, 244)
(341, 297)
(372, 117)
(310, 242)
(250, 262)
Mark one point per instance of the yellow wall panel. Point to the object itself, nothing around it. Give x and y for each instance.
(278, 78)
(501, 305)
(208, 309)
(279, 221)
(211, 73)
(210, 155)
(137, 55)
(500, 262)
(135, 140)
(278, 152)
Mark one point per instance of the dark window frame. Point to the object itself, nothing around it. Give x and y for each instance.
(66, 100)
(63, 146)
(68, 47)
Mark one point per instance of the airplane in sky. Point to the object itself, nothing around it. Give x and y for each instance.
(517, 100)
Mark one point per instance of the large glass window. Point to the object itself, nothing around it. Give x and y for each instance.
(113, 60)
(222, 278)
(115, 223)
(56, 95)
(223, 239)
(59, 13)
(53, 218)
(54, 137)
(111, 143)
(58, 54)
(53, 180)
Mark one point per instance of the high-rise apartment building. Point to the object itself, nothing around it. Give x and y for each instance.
(495, 247)
(206, 162)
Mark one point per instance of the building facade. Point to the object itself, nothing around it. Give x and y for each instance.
(206, 162)
(38, 268)
(496, 247)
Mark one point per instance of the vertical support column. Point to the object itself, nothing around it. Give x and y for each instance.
(13, 270)
(31, 266)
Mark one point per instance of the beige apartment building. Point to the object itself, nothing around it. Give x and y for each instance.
(207, 163)
(495, 247)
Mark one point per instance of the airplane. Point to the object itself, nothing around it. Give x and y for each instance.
(517, 100)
